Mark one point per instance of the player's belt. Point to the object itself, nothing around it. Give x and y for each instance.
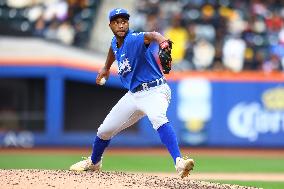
(147, 86)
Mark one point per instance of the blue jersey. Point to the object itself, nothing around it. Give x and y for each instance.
(136, 62)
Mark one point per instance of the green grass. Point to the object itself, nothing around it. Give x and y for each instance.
(148, 163)
(154, 163)
(204, 164)
(239, 164)
(36, 161)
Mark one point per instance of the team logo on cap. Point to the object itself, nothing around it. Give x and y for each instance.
(117, 11)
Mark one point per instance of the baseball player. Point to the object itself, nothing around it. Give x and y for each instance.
(148, 95)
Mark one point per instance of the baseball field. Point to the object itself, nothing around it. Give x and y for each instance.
(143, 168)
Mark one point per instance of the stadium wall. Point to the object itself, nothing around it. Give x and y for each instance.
(207, 109)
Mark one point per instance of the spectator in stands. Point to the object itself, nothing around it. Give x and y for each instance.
(278, 49)
(274, 22)
(65, 33)
(51, 30)
(187, 63)
(249, 62)
(204, 28)
(75, 8)
(233, 53)
(217, 64)
(39, 28)
(203, 54)
(272, 64)
(57, 9)
(179, 35)
(51, 19)
(255, 24)
(19, 3)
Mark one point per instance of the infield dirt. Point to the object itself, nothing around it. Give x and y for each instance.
(44, 179)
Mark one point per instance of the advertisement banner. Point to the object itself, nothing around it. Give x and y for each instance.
(247, 114)
(193, 110)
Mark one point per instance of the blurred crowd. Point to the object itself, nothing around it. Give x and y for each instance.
(218, 34)
(64, 21)
(207, 34)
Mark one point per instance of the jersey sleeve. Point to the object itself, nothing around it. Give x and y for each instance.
(113, 41)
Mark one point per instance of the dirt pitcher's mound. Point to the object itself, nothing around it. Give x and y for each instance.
(27, 178)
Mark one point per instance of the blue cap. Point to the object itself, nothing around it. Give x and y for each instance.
(118, 12)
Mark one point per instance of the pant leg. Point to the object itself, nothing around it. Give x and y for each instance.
(136, 116)
(154, 103)
(122, 115)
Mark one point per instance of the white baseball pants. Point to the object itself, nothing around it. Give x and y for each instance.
(133, 106)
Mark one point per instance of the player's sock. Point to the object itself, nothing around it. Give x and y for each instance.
(169, 139)
(98, 149)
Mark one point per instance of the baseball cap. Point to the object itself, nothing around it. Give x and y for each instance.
(118, 12)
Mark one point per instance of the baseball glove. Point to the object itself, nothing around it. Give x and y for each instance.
(165, 55)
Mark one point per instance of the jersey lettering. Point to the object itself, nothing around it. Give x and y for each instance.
(124, 67)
